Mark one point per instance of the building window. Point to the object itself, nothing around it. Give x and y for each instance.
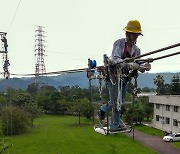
(175, 122)
(157, 106)
(175, 108)
(167, 107)
(157, 117)
(167, 120)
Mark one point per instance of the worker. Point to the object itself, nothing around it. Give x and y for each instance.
(4, 40)
(122, 49)
(5, 66)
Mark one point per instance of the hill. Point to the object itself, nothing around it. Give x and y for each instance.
(80, 79)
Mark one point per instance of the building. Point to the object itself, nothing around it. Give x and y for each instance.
(166, 112)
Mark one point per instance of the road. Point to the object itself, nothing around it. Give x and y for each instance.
(154, 142)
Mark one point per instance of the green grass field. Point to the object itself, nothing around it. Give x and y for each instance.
(149, 130)
(62, 135)
(176, 144)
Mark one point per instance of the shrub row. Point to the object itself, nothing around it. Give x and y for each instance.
(14, 120)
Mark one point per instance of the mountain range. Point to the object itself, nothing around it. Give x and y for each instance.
(80, 79)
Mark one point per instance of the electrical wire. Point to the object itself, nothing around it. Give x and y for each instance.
(158, 50)
(51, 73)
(14, 16)
(166, 56)
(68, 53)
(85, 69)
(150, 60)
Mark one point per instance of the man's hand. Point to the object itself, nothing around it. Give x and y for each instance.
(128, 60)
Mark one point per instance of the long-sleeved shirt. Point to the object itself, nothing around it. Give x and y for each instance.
(118, 51)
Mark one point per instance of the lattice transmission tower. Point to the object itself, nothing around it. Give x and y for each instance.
(40, 69)
(4, 51)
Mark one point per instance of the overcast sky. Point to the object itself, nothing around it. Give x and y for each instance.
(80, 29)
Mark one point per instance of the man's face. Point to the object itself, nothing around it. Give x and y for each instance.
(133, 36)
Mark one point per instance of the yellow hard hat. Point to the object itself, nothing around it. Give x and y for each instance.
(133, 26)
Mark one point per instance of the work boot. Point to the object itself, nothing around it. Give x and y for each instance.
(101, 115)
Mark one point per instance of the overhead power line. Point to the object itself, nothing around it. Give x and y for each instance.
(55, 72)
(14, 16)
(157, 51)
(134, 59)
(85, 69)
(72, 53)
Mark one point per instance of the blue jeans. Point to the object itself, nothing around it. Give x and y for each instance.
(113, 94)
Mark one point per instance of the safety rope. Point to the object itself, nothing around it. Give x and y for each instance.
(119, 98)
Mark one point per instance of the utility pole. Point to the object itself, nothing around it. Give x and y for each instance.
(40, 69)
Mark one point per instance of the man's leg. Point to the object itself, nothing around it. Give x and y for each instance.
(106, 108)
(117, 114)
(116, 121)
(116, 118)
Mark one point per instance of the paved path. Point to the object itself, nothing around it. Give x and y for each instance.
(154, 142)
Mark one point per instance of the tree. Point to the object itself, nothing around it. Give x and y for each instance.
(87, 108)
(14, 120)
(25, 101)
(127, 112)
(61, 106)
(32, 88)
(147, 107)
(159, 82)
(167, 88)
(34, 110)
(138, 111)
(46, 97)
(19, 97)
(142, 108)
(48, 88)
(3, 100)
(175, 85)
(43, 100)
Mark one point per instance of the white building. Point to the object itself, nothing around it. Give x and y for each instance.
(166, 112)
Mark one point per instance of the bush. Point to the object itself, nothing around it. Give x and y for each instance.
(33, 111)
(86, 108)
(4, 145)
(14, 121)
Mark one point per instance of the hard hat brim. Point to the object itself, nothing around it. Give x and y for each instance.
(132, 31)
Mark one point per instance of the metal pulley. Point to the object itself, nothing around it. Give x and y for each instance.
(144, 67)
(133, 66)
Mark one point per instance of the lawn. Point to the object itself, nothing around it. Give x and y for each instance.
(149, 130)
(62, 135)
(176, 144)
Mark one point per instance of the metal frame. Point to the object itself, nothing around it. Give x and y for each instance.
(106, 75)
(4, 51)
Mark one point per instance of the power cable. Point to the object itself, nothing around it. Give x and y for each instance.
(56, 72)
(14, 15)
(84, 69)
(166, 56)
(134, 59)
(67, 53)
(158, 50)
